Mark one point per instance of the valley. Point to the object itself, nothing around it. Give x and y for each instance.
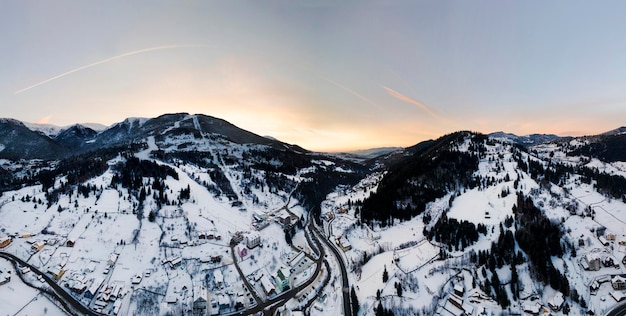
(188, 214)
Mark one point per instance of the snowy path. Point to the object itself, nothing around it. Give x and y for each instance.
(219, 159)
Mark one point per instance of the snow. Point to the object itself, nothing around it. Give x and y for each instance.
(17, 298)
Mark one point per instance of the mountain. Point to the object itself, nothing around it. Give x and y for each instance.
(75, 136)
(151, 214)
(527, 140)
(78, 139)
(617, 131)
(49, 130)
(19, 142)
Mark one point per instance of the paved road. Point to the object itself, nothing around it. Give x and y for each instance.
(269, 307)
(60, 293)
(347, 309)
(618, 310)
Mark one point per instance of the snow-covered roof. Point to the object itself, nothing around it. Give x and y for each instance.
(618, 295)
(557, 300)
(267, 284)
(218, 276)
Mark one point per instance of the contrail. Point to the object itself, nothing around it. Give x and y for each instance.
(351, 92)
(410, 100)
(105, 61)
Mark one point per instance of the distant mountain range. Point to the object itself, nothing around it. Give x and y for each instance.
(20, 140)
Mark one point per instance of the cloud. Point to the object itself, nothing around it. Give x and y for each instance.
(44, 119)
(410, 100)
(145, 50)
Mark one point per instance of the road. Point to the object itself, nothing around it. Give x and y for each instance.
(64, 297)
(618, 310)
(269, 307)
(347, 308)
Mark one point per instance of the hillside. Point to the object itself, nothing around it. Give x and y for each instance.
(182, 213)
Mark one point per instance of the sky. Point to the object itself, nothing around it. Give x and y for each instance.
(326, 75)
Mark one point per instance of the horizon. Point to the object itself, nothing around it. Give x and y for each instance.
(326, 76)
(349, 150)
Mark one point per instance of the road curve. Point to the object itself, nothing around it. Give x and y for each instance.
(617, 310)
(347, 308)
(60, 292)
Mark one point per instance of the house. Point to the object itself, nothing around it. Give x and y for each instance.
(618, 296)
(608, 262)
(556, 302)
(218, 278)
(36, 246)
(343, 210)
(237, 238)
(56, 272)
(112, 259)
(136, 279)
(344, 244)
(284, 218)
(532, 308)
(5, 241)
(70, 242)
(223, 302)
(593, 261)
(93, 289)
(268, 287)
(200, 303)
(459, 290)
(77, 286)
(5, 277)
(253, 240)
(175, 262)
(603, 241)
(610, 236)
(456, 301)
(619, 282)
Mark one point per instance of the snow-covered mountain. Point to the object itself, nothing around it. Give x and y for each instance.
(181, 213)
(526, 140)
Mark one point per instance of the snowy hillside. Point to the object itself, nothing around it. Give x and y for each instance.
(188, 214)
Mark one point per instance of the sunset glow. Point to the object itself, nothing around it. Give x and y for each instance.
(325, 76)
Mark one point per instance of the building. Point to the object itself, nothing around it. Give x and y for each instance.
(200, 303)
(112, 259)
(603, 241)
(456, 301)
(556, 302)
(532, 309)
(218, 278)
(268, 287)
(5, 241)
(253, 240)
(70, 242)
(237, 238)
(93, 289)
(36, 246)
(619, 282)
(5, 277)
(56, 272)
(593, 261)
(344, 244)
(618, 296)
(459, 290)
(282, 279)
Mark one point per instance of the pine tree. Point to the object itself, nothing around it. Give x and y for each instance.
(385, 275)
